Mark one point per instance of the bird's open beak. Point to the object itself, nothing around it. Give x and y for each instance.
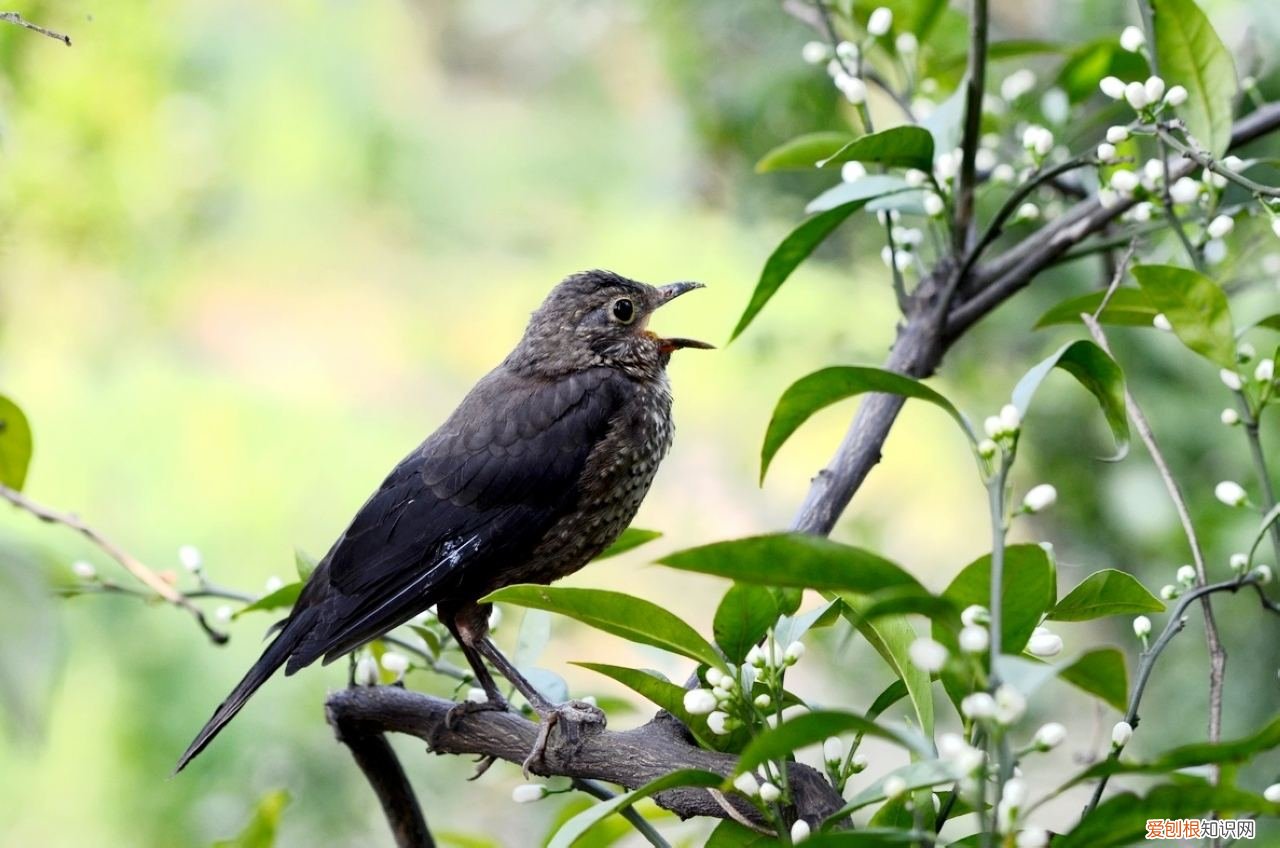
(669, 293)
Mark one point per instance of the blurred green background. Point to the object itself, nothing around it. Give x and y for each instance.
(253, 252)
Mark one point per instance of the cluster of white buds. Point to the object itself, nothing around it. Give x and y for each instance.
(1231, 493)
(1039, 498)
(773, 655)
(1038, 141)
(1044, 643)
(1006, 707)
(1049, 736)
(189, 556)
(723, 692)
(1005, 425)
(927, 655)
(1146, 97)
(1121, 734)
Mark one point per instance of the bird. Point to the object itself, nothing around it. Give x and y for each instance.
(540, 468)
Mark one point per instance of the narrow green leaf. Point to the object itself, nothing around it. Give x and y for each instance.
(891, 637)
(1196, 307)
(304, 563)
(745, 614)
(1189, 53)
(898, 147)
(15, 445)
(617, 613)
(730, 834)
(1030, 587)
(810, 729)
(1103, 593)
(285, 596)
(1190, 756)
(632, 537)
(802, 152)
(1094, 369)
(661, 692)
(1092, 61)
(574, 829)
(788, 255)
(892, 694)
(830, 385)
(794, 559)
(945, 122)
(1126, 308)
(867, 188)
(1100, 672)
(260, 832)
(1271, 322)
(1122, 819)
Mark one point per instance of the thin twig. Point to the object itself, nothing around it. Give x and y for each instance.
(975, 84)
(132, 564)
(15, 18)
(1209, 163)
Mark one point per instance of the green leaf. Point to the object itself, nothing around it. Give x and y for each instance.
(1097, 372)
(1102, 673)
(899, 147)
(632, 537)
(1196, 307)
(304, 563)
(810, 729)
(1271, 322)
(788, 255)
(1090, 62)
(730, 834)
(15, 445)
(945, 123)
(868, 837)
(1030, 587)
(745, 614)
(285, 596)
(894, 814)
(260, 832)
(584, 821)
(1122, 819)
(794, 559)
(647, 684)
(892, 694)
(802, 152)
(1103, 593)
(1125, 308)
(919, 775)
(1189, 53)
(617, 613)
(891, 637)
(822, 388)
(867, 188)
(1189, 756)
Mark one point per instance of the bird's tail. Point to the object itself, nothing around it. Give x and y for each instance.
(272, 658)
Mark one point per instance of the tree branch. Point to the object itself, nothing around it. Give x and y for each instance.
(15, 18)
(377, 759)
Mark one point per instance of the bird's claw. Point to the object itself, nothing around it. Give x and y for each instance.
(572, 716)
(465, 708)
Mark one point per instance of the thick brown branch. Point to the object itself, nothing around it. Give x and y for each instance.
(376, 758)
(629, 758)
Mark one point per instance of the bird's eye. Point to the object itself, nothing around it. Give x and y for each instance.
(623, 310)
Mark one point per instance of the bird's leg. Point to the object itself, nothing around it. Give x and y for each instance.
(461, 624)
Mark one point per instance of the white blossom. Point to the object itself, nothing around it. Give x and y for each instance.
(1266, 371)
(1010, 705)
(1003, 173)
(1263, 574)
(848, 51)
(947, 164)
(1015, 793)
(880, 21)
(1038, 140)
(1141, 626)
(1044, 643)
(1176, 96)
(395, 662)
(852, 171)
(854, 89)
(984, 159)
(1168, 592)
(974, 614)
(1238, 562)
(1107, 198)
(858, 763)
(1230, 379)
(1221, 226)
(1017, 84)
(763, 701)
(1161, 322)
(1184, 190)
(974, 639)
(1186, 575)
(1272, 793)
(1233, 163)
(799, 831)
(793, 653)
(1121, 734)
(1050, 736)
(1027, 212)
(1135, 94)
(1055, 105)
(907, 44)
(1153, 172)
(189, 556)
(933, 205)
(894, 786)
(927, 655)
(528, 793)
(1106, 152)
(1230, 493)
(1112, 87)
(815, 52)
(1010, 418)
(1032, 837)
(84, 570)
(833, 750)
(1040, 498)
(1154, 87)
(366, 673)
(978, 705)
(987, 448)
(1124, 181)
(1214, 180)
(1132, 39)
(718, 723)
(1117, 134)
(1141, 212)
(747, 784)
(769, 793)
(699, 702)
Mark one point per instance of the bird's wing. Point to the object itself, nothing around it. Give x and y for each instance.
(478, 494)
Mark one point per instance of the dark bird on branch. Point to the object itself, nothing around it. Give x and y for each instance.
(538, 470)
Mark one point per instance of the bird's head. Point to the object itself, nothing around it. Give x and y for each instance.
(600, 318)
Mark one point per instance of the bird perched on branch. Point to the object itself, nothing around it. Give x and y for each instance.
(538, 470)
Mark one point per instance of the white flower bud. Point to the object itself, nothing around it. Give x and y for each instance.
(769, 793)
(1117, 134)
(974, 639)
(880, 21)
(815, 52)
(755, 657)
(907, 43)
(223, 614)
(1176, 96)
(794, 652)
(1214, 180)
(1262, 573)
(528, 793)
(1272, 793)
(84, 570)
(1238, 562)
(975, 614)
(1161, 322)
(1141, 626)
(894, 786)
(1106, 152)
(714, 676)
(476, 695)
(1186, 575)
(848, 51)
(799, 831)
(1121, 734)
(366, 672)
(927, 655)
(1230, 493)
(1125, 182)
(1135, 94)
(1168, 591)
(851, 172)
(747, 784)
(833, 750)
(1015, 794)
(1010, 418)
(1154, 86)
(1027, 212)
(1215, 251)
(718, 723)
(1050, 736)
(1233, 163)
(854, 89)
(1010, 705)
(858, 763)
(763, 701)
(960, 754)
(1220, 226)
(1032, 837)
(1266, 371)
(987, 448)
(1132, 39)
(1141, 213)
(1184, 190)
(1040, 498)
(1230, 379)
(1017, 84)
(395, 662)
(189, 556)
(699, 702)
(273, 584)
(1038, 140)
(933, 205)
(1275, 226)
(1003, 173)
(1044, 643)
(1112, 87)
(978, 706)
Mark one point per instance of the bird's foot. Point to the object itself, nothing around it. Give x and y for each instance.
(573, 717)
(463, 709)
